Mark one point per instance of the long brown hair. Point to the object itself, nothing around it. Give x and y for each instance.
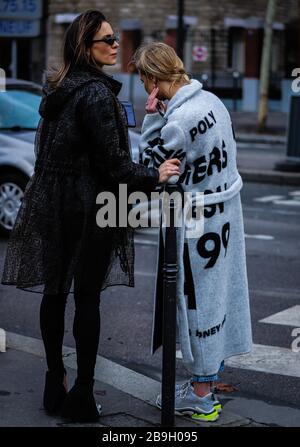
(77, 40)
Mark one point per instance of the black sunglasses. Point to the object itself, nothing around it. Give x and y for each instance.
(109, 40)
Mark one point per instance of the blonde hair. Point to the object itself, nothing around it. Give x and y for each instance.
(160, 61)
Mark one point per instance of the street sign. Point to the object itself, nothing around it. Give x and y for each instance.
(200, 54)
(19, 28)
(20, 9)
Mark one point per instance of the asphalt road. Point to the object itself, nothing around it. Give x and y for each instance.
(272, 227)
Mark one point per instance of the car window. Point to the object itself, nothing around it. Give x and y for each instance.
(19, 108)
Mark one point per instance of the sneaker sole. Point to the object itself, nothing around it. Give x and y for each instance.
(205, 417)
(218, 408)
(212, 417)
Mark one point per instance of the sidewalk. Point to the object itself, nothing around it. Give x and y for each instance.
(22, 370)
(257, 153)
(127, 397)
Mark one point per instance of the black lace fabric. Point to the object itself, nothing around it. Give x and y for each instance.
(81, 149)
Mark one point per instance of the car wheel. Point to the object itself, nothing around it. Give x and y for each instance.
(12, 187)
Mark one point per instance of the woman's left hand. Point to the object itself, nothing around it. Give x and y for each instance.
(153, 104)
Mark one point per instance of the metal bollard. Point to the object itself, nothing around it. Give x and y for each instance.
(292, 161)
(169, 318)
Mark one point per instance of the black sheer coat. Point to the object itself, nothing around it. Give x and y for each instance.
(81, 149)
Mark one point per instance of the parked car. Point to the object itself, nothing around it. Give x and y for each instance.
(18, 122)
(19, 118)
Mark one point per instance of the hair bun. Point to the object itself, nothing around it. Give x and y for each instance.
(178, 70)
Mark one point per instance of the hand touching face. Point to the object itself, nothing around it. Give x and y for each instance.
(152, 101)
(153, 104)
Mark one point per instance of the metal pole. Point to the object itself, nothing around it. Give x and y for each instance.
(180, 29)
(14, 59)
(169, 318)
(266, 65)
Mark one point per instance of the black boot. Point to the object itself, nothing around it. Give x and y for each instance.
(54, 391)
(80, 405)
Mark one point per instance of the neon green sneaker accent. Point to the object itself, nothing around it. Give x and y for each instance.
(218, 408)
(211, 417)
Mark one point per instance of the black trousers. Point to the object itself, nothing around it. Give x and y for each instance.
(88, 277)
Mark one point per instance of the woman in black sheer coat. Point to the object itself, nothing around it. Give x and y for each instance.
(56, 246)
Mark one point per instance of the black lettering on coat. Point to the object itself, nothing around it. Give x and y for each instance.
(186, 175)
(200, 168)
(189, 288)
(209, 332)
(215, 160)
(193, 133)
(202, 127)
(224, 155)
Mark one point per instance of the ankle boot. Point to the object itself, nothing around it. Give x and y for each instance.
(54, 391)
(80, 405)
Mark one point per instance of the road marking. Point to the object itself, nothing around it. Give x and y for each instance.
(287, 202)
(252, 209)
(263, 237)
(288, 317)
(281, 200)
(295, 195)
(257, 147)
(276, 293)
(266, 359)
(266, 199)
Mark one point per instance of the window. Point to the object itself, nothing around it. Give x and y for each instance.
(236, 49)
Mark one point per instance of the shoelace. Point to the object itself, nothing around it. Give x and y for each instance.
(183, 390)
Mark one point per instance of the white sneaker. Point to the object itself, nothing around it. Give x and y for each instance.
(187, 402)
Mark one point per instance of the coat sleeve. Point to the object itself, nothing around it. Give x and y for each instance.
(37, 138)
(107, 153)
(162, 140)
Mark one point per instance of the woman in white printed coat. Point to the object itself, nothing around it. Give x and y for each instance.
(212, 289)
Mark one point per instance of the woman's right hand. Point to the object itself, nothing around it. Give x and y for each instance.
(168, 168)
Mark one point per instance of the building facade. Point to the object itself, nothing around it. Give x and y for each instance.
(23, 36)
(223, 44)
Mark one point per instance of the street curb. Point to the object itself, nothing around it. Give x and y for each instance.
(273, 177)
(138, 386)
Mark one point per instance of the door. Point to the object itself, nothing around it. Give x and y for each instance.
(15, 57)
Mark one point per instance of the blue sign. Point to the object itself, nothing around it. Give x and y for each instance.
(21, 9)
(19, 28)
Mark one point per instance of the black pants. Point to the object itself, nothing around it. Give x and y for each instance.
(88, 278)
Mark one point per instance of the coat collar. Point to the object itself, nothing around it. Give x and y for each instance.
(54, 99)
(183, 95)
(89, 73)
